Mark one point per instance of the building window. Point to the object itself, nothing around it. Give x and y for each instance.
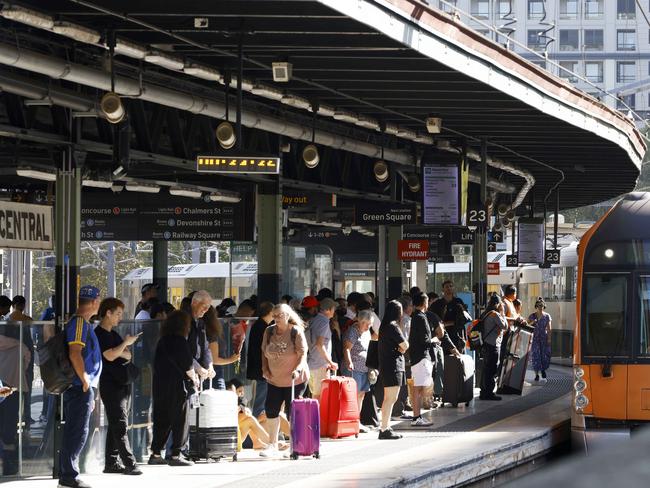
(626, 9)
(625, 71)
(629, 100)
(626, 40)
(568, 9)
(535, 40)
(505, 9)
(594, 71)
(481, 9)
(568, 69)
(594, 9)
(593, 39)
(448, 8)
(569, 39)
(536, 9)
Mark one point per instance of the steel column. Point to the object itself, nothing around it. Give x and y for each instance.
(269, 241)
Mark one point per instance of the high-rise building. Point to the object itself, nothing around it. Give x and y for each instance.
(606, 42)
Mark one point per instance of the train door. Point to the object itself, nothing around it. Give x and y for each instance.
(638, 397)
(606, 341)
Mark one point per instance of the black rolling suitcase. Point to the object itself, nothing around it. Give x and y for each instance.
(514, 364)
(458, 380)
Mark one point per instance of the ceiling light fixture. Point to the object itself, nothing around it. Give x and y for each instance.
(142, 187)
(296, 101)
(164, 60)
(405, 133)
(346, 116)
(380, 169)
(203, 72)
(224, 197)
(112, 108)
(27, 16)
(226, 135)
(97, 183)
(246, 84)
(36, 174)
(391, 129)
(131, 49)
(76, 32)
(326, 110)
(367, 122)
(267, 91)
(413, 182)
(184, 192)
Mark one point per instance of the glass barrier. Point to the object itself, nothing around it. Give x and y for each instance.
(28, 426)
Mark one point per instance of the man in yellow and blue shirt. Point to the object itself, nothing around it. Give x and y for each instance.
(78, 400)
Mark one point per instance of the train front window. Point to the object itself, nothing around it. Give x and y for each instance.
(604, 331)
(644, 315)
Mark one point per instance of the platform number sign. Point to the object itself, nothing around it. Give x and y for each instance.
(512, 260)
(477, 216)
(552, 256)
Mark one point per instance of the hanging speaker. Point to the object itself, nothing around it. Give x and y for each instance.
(112, 108)
(502, 209)
(510, 215)
(498, 227)
(310, 156)
(226, 135)
(380, 169)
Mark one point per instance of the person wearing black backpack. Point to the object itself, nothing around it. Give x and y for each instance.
(79, 400)
(494, 323)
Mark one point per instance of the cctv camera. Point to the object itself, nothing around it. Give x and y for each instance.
(347, 231)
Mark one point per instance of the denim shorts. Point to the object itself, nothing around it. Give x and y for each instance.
(362, 381)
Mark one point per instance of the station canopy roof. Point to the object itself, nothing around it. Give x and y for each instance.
(393, 61)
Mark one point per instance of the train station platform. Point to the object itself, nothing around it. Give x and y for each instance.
(465, 445)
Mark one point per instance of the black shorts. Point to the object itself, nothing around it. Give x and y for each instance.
(392, 378)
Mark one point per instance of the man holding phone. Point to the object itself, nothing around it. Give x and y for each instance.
(79, 400)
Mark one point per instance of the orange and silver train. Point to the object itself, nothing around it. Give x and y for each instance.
(611, 352)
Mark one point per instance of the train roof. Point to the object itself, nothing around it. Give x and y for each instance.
(201, 270)
(629, 220)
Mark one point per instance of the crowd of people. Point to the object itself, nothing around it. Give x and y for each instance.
(397, 362)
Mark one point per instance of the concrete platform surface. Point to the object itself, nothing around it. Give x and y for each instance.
(464, 443)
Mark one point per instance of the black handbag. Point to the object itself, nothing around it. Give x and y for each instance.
(132, 372)
(372, 359)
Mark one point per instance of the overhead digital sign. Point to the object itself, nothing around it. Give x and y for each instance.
(238, 164)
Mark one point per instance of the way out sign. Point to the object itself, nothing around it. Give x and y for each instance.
(413, 250)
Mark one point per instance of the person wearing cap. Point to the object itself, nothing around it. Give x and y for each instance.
(319, 339)
(78, 400)
(150, 290)
(308, 308)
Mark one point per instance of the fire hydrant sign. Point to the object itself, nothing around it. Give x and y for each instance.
(411, 250)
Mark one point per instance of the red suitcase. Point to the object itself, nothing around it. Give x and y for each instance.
(339, 410)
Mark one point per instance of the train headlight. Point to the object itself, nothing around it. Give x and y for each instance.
(578, 372)
(581, 401)
(580, 385)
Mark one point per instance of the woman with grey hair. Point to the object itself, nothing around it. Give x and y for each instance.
(356, 340)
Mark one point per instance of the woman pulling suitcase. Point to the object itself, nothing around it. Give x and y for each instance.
(284, 361)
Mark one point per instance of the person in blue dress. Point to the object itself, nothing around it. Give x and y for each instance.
(541, 348)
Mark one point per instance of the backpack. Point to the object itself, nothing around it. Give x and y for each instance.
(477, 333)
(57, 372)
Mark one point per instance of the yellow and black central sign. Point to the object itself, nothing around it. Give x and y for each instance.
(238, 164)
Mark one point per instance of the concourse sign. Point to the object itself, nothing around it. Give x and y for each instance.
(106, 216)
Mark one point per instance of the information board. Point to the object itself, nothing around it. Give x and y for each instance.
(384, 214)
(440, 194)
(531, 241)
(143, 217)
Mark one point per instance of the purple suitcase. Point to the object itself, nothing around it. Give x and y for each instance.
(305, 428)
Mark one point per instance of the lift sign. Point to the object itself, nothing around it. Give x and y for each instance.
(413, 250)
(25, 226)
(238, 164)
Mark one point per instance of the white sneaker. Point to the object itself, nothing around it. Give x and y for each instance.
(420, 422)
(270, 452)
